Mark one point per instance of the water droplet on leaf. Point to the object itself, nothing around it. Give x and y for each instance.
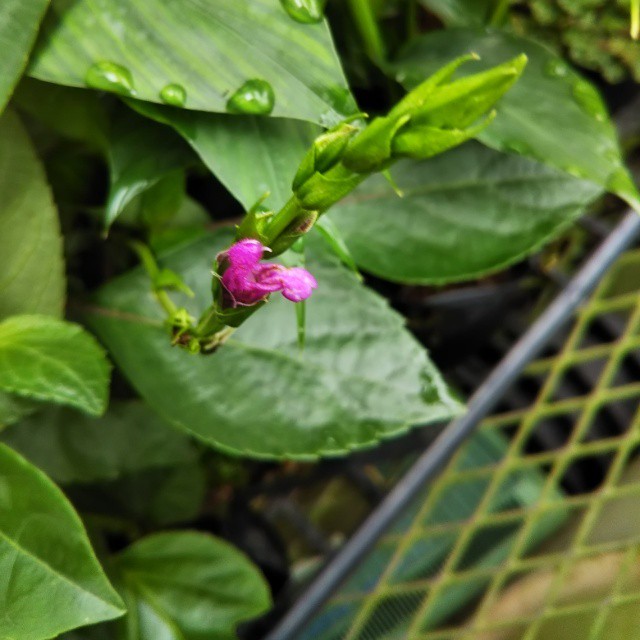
(305, 11)
(174, 94)
(253, 97)
(109, 76)
(555, 68)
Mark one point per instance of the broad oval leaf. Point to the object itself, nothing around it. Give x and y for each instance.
(48, 359)
(19, 22)
(31, 265)
(188, 586)
(205, 51)
(268, 150)
(50, 579)
(463, 214)
(361, 377)
(551, 113)
(72, 447)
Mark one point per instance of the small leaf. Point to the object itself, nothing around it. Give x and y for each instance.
(31, 265)
(50, 578)
(72, 447)
(463, 214)
(140, 154)
(138, 48)
(188, 586)
(362, 377)
(48, 359)
(551, 114)
(19, 22)
(150, 497)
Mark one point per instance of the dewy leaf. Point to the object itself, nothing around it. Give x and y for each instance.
(50, 579)
(31, 265)
(362, 377)
(19, 22)
(48, 359)
(227, 55)
(463, 214)
(550, 114)
(188, 586)
(140, 154)
(72, 447)
(269, 150)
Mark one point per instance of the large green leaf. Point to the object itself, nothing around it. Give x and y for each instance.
(72, 447)
(249, 155)
(31, 267)
(50, 579)
(361, 377)
(206, 51)
(19, 22)
(188, 586)
(465, 213)
(551, 114)
(48, 359)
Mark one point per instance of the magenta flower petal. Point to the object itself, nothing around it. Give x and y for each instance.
(245, 253)
(249, 282)
(297, 284)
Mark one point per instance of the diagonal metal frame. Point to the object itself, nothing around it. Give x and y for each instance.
(432, 461)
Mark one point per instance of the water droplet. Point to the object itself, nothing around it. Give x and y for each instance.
(555, 68)
(588, 100)
(253, 97)
(109, 76)
(174, 94)
(305, 11)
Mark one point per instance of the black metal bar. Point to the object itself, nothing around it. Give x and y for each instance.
(483, 400)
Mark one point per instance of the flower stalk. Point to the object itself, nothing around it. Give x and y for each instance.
(437, 115)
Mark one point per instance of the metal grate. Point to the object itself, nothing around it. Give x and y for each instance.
(502, 545)
(510, 542)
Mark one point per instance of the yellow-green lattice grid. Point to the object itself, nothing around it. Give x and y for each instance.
(485, 571)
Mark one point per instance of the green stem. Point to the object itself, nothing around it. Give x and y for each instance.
(367, 25)
(499, 14)
(281, 220)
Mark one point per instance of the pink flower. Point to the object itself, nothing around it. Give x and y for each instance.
(248, 281)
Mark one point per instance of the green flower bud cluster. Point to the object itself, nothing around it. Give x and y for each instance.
(594, 34)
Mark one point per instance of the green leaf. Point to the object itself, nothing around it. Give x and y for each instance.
(19, 22)
(48, 359)
(461, 13)
(140, 154)
(50, 579)
(269, 150)
(463, 214)
(551, 114)
(72, 447)
(152, 497)
(188, 586)
(74, 113)
(362, 377)
(13, 409)
(205, 51)
(31, 266)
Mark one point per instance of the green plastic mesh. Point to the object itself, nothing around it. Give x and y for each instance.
(501, 547)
